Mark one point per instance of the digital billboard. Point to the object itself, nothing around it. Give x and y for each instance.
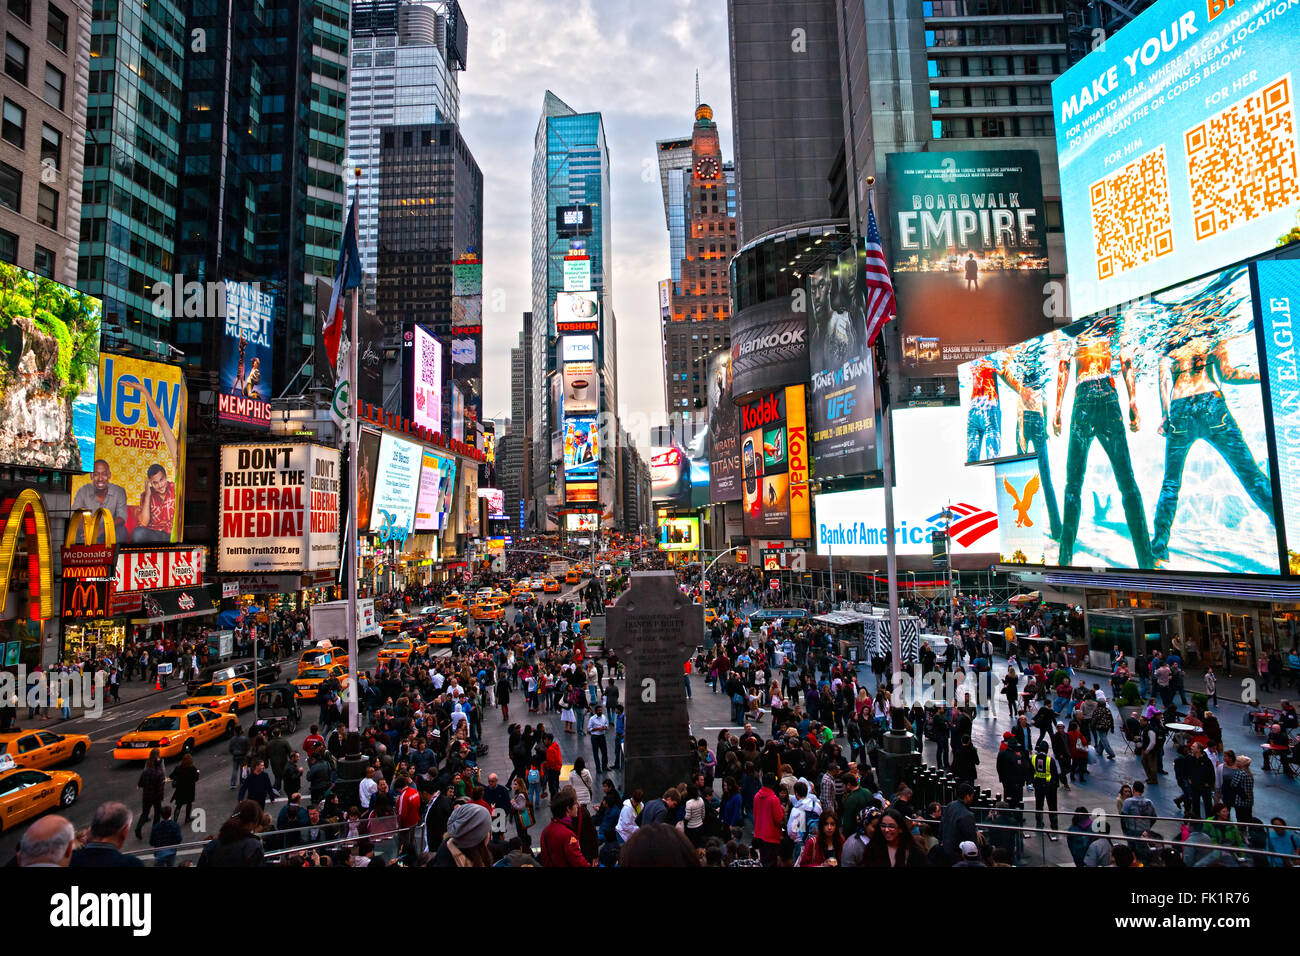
(426, 503)
(397, 486)
(466, 278)
(670, 475)
(279, 508)
(457, 413)
(774, 465)
(50, 339)
(724, 432)
(1176, 141)
(496, 499)
(769, 346)
(580, 492)
(367, 466)
(446, 488)
(578, 348)
(930, 477)
(584, 521)
(1279, 314)
(581, 449)
(245, 394)
(577, 273)
(679, 534)
(969, 252)
(573, 220)
(1148, 431)
(422, 377)
(842, 382)
(577, 312)
(139, 450)
(581, 388)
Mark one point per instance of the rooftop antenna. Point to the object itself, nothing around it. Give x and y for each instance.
(697, 89)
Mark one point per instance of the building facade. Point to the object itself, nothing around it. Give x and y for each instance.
(47, 64)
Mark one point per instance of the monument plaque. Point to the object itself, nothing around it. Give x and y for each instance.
(654, 629)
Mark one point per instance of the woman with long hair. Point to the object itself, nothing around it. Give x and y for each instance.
(185, 779)
(825, 849)
(236, 843)
(468, 830)
(893, 845)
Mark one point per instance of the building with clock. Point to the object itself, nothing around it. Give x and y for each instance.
(700, 211)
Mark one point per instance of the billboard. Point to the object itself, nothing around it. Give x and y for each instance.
(578, 348)
(581, 449)
(577, 273)
(573, 220)
(426, 503)
(370, 359)
(244, 397)
(279, 508)
(670, 475)
(397, 486)
(1150, 420)
(49, 337)
(496, 499)
(1177, 147)
(585, 521)
(367, 465)
(489, 446)
(930, 477)
(679, 534)
(769, 346)
(581, 492)
(466, 278)
(446, 488)
(581, 388)
(842, 371)
(457, 413)
(724, 432)
(422, 378)
(577, 312)
(969, 251)
(1278, 283)
(140, 450)
(774, 465)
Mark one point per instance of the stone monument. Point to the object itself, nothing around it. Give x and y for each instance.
(654, 628)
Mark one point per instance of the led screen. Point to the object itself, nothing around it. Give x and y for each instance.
(581, 449)
(679, 534)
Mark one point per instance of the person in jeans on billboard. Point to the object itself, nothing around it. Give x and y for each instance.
(1194, 369)
(1031, 364)
(1097, 415)
(984, 416)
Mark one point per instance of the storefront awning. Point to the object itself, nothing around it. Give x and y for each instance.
(175, 604)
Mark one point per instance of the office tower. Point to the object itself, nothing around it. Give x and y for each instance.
(1089, 23)
(47, 64)
(787, 124)
(699, 300)
(570, 168)
(430, 213)
(262, 187)
(406, 61)
(132, 160)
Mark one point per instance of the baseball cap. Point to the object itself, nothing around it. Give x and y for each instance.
(969, 850)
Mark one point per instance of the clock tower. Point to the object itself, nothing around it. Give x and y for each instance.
(696, 324)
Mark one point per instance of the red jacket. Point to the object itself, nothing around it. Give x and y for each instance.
(554, 759)
(408, 807)
(769, 817)
(560, 845)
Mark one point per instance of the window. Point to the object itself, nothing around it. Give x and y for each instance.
(54, 83)
(47, 206)
(15, 60)
(22, 9)
(51, 146)
(56, 28)
(8, 246)
(11, 187)
(43, 263)
(15, 124)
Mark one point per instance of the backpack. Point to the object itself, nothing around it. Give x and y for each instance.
(534, 776)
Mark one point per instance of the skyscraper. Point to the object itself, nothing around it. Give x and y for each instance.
(699, 303)
(570, 167)
(404, 71)
(47, 63)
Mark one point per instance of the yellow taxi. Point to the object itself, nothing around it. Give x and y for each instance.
(228, 695)
(395, 624)
(486, 612)
(307, 683)
(710, 615)
(519, 589)
(550, 585)
(173, 731)
(571, 576)
(499, 596)
(445, 632)
(26, 792)
(454, 600)
(42, 748)
(399, 650)
(323, 654)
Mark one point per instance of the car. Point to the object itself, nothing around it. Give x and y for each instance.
(486, 612)
(308, 683)
(173, 731)
(395, 623)
(429, 610)
(483, 594)
(42, 748)
(228, 695)
(26, 792)
(266, 672)
(449, 614)
(499, 596)
(710, 615)
(454, 600)
(550, 585)
(323, 654)
(400, 650)
(445, 633)
(571, 576)
(536, 584)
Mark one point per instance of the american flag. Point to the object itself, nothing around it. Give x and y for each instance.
(880, 289)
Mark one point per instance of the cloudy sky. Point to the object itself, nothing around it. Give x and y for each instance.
(635, 63)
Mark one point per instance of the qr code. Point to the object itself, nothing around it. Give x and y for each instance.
(1131, 220)
(1241, 162)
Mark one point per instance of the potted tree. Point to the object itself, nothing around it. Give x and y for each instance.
(1129, 701)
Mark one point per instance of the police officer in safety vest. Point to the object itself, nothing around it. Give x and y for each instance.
(1047, 776)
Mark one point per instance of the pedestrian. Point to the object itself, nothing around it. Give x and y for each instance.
(185, 779)
(238, 749)
(257, 786)
(152, 786)
(164, 836)
(1046, 774)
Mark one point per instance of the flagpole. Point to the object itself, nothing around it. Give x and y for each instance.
(353, 442)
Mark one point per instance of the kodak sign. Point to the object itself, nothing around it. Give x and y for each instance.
(796, 428)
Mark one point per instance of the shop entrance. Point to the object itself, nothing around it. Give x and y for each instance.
(1208, 632)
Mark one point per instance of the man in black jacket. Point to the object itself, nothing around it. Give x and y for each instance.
(958, 823)
(1011, 769)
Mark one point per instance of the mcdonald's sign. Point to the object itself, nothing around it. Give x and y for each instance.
(84, 599)
(25, 516)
